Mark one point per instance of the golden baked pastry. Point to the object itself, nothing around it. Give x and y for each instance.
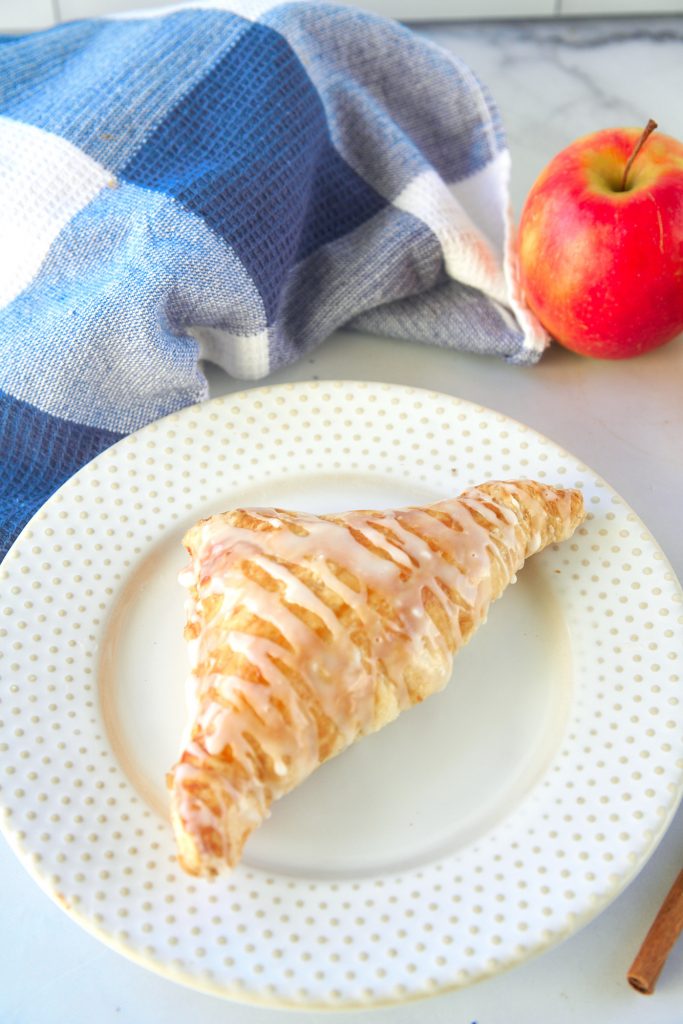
(307, 632)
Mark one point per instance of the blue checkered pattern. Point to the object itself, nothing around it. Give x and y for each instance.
(230, 184)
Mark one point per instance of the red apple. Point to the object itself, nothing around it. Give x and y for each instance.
(601, 243)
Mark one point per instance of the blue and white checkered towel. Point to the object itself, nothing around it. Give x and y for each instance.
(232, 183)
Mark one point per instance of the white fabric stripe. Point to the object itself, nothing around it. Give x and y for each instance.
(474, 224)
(496, 222)
(484, 196)
(44, 182)
(536, 338)
(469, 257)
(245, 357)
(475, 194)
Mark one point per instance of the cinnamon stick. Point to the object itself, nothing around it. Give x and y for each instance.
(659, 941)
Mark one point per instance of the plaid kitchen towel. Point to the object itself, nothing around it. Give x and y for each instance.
(230, 183)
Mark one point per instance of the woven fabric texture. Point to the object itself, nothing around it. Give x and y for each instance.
(232, 184)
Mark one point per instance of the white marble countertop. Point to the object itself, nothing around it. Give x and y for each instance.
(553, 83)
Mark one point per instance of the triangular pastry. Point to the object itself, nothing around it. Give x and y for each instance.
(307, 632)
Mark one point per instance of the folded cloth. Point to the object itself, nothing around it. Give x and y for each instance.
(230, 184)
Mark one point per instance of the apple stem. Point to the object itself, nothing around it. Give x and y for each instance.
(645, 134)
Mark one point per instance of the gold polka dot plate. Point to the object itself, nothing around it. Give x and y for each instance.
(477, 830)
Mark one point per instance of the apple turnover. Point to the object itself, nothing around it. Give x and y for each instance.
(307, 632)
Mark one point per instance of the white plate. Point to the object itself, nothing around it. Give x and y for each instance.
(477, 830)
